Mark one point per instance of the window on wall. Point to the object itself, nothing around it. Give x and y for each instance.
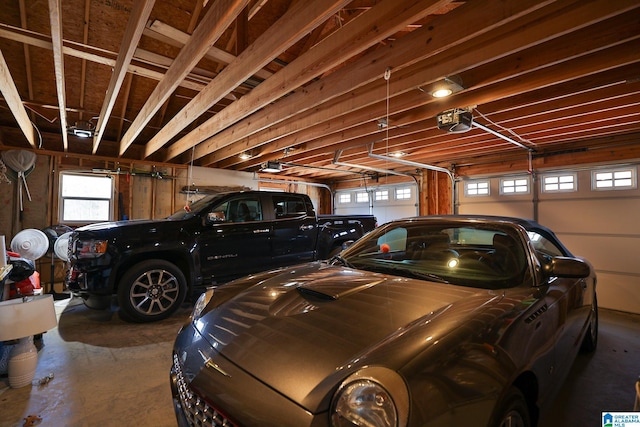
(403, 193)
(476, 188)
(614, 179)
(362, 197)
(344, 198)
(514, 186)
(559, 183)
(85, 198)
(381, 195)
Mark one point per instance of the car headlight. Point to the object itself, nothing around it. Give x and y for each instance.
(200, 304)
(372, 397)
(90, 248)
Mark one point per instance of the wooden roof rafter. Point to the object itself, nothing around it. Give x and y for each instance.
(12, 98)
(276, 39)
(135, 26)
(27, 54)
(403, 81)
(371, 26)
(55, 14)
(216, 20)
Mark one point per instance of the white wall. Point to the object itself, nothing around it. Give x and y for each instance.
(602, 226)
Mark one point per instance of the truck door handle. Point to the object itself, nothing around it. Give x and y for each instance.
(306, 227)
(260, 230)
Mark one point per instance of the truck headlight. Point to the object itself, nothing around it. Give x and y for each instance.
(372, 397)
(90, 248)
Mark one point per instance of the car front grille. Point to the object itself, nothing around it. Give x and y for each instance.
(195, 409)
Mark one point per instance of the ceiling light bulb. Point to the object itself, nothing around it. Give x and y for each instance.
(441, 93)
(244, 156)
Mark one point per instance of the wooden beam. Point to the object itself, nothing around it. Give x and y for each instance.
(474, 17)
(213, 24)
(55, 14)
(83, 70)
(369, 28)
(421, 128)
(12, 98)
(474, 54)
(137, 21)
(167, 34)
(90, 53)
(195, 15)
(125, 102)
(242, 31)
(27, 54)
(291, 27)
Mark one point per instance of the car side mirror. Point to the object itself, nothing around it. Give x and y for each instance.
(216, 216)
(566, 267)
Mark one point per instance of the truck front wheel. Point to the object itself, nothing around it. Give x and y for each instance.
(151, 290)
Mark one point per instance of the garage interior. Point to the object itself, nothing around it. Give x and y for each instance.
(335, 99)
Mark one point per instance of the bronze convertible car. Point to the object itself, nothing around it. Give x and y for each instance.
(434, 321)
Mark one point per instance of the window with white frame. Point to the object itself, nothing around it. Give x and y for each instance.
(362, 197)
(85, 198)
(614, 179)
(344, 198)
(510, 186)
(403, 193)
(476, 188)
(559, 183)
(381, 195)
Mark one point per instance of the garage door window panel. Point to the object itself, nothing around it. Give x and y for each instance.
(559, 183)
(476, 188)
(614, 179)
(509, 186)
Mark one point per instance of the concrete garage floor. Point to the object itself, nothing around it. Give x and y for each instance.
(111, 373)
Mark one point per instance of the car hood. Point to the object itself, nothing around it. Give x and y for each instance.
(296, 330)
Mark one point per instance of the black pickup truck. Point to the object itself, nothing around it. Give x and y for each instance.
(152, 265)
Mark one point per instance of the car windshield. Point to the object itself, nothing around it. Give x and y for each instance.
(193, 208)
(476, 255)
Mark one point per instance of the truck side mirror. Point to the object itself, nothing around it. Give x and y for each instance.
(216, 216)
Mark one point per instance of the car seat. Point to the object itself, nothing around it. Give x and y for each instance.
(243, 213)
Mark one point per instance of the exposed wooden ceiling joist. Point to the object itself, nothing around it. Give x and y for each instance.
(135, 26)
(55, 13)
(213, 24)
(282, 82)
(12, 98)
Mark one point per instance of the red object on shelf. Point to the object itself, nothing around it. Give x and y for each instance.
(25, 287)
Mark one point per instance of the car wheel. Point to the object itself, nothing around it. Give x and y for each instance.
(151, 290)
(513, 411)
(590, 341)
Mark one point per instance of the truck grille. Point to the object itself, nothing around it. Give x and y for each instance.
(195, 409)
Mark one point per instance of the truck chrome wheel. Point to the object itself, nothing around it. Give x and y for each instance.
(151, 290)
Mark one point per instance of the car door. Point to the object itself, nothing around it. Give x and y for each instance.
(566, 302)
(294, 229)
(235, 239)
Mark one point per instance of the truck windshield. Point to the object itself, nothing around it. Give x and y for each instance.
(193, 208)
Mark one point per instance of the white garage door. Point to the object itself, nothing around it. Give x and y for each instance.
(594, 211)
(385, 202)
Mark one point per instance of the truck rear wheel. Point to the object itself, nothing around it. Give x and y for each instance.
(151, 290)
